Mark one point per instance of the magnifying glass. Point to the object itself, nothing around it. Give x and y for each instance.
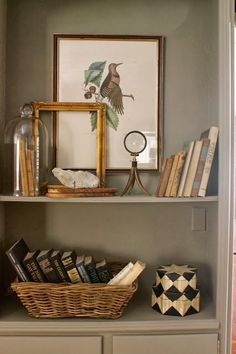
(135, 142)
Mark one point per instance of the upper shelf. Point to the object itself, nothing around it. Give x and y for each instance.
(117, 199)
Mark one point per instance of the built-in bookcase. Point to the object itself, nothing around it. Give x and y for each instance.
(155, 230)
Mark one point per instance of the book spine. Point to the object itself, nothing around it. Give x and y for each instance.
(178, 173)
(132, 274)
(34, 270)
(165, 178)
(71, 270)
(90, 268)
(161, 176)
(124, 271)
(48, 270)
(59, 268)
(200, 168)
(185, 170)
(83, 274)
(104, 274)
(172, 176)
(192, 169)
(20, 270)
(208, 163)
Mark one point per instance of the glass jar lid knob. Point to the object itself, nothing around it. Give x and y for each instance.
(27, 110)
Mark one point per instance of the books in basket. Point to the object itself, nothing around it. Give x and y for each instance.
(55, 258)
(68, 259)
(81, 269)
(128, 274)
(16, 253)
(133, 274)
(90, 267)
(47, 266)
(122, 273)
(33, 268)
(103, 271)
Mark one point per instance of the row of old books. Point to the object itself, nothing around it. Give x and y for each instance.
(187, 173)
(54, 266)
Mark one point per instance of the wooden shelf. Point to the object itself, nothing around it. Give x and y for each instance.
(138, 316)
(117, 199)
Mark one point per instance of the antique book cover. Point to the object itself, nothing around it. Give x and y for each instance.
(178, 173)
(90, 267)
(164, 179)
(81, 269)
(16, 253)
(69, 262)
(103, 271)
(200, 167)
(172, 175)
(211, 157)
(192, 169)
(185, 169)
(32, 266)
(46, 266)
(56, 262)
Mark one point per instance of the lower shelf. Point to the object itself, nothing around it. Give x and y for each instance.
(137, 317)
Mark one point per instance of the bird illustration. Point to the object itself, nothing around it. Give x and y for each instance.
(110, 88)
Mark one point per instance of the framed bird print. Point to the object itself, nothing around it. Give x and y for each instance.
(125, 73)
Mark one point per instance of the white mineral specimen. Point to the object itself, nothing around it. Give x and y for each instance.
(76, 179)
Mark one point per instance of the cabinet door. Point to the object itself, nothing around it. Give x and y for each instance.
(50, 345)
(166, 344)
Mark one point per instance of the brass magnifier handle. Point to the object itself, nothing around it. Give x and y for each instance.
(134, 177)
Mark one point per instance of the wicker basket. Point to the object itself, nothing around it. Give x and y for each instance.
(49, 300)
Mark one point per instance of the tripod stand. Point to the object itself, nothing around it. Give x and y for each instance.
(134, 176)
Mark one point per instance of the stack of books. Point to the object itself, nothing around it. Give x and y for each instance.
(187, 173)
(54, 266)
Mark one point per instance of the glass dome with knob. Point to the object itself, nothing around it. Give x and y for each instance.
(28, 141)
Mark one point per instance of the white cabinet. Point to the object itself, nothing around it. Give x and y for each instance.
(52, 344)
(166, 344)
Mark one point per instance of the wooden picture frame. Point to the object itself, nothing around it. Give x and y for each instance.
(81, 63)
(100, 110)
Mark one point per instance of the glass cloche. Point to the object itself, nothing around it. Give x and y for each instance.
(26, 141)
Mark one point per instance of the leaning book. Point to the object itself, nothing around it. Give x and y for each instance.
(16, 254)
(211, 134)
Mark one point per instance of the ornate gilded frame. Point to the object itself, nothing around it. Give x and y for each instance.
(100, 108)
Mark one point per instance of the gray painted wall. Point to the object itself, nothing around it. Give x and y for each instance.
(156, 234)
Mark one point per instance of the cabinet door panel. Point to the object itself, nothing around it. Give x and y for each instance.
(166, 344)
(49, 345)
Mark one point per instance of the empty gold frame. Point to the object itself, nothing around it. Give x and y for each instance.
(100, 108)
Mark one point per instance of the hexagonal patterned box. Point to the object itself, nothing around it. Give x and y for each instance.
(176, 278)
(176, 304)
(175, 291)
